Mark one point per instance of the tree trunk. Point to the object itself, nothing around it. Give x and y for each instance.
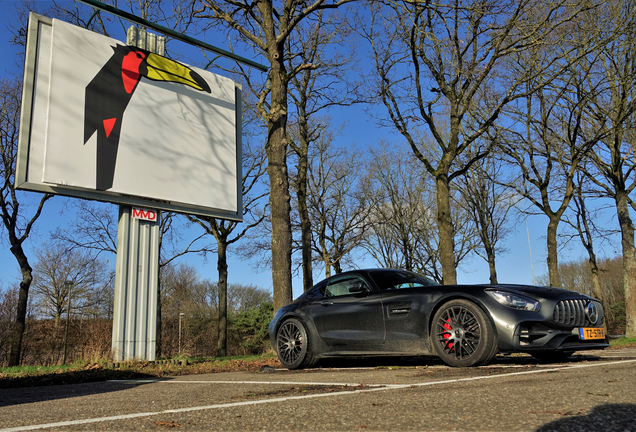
(279, 197)
(221, 350)
(491, 265)
(407, 252)
(553, 259)
(488, 247)
(20, 324)
(446, 231)
(305, 223)
(336, 267)
(629, 261)
(325, 258)
(597, 292)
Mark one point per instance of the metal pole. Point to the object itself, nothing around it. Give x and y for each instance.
(109, 309)
(143, 22)
(68, 313)
(111, 279)
(181, 315)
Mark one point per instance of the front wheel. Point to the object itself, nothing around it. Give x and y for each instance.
(292, 345)
(462, 335)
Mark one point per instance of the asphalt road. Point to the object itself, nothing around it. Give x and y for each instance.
(590, 393)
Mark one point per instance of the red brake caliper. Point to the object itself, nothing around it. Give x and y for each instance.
(447, 335)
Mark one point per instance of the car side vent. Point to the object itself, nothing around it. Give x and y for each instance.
(572, 312)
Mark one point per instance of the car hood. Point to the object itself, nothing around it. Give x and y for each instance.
(538, 292)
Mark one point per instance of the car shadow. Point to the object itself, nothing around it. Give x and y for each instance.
(528, 360)
(358, 362)
(608, 417)
(500, 360)
(15, 391)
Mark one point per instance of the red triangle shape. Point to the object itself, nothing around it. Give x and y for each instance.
(108, 126)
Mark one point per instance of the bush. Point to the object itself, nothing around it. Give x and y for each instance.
(252, 327)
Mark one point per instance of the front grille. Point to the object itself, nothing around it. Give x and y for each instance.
(572, 313)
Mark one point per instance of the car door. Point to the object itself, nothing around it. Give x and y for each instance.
(407, 304)
(345, 318)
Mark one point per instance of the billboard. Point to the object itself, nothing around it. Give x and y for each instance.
(106, 121)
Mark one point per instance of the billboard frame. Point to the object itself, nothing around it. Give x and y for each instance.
(23, 182)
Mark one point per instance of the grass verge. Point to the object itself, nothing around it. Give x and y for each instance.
(623, 343)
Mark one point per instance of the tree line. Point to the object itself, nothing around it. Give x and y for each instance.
(519, 106)
(70, 312)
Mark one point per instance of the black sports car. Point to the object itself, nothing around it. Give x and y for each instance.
(399, 313)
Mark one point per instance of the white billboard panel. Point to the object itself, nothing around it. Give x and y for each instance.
(107, 121)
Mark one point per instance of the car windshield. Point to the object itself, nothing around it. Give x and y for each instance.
(393, 280)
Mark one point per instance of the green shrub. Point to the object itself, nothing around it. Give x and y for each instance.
(252, 327)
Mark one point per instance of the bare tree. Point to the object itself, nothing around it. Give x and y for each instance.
(8, 310)
(240, 298)
(338, 207)
(60, 273)
(549, 142)
(615, 165)
(488, 204)
(403, 231)
(582, 219)
(267, 27)
(312, 91)
(17, 225)
(437, 61)
(402, 217)
(180, 289)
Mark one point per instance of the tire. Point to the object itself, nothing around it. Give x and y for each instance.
(551, 356)
(292, 345)
(462, 335)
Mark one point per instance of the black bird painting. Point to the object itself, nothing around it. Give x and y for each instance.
(110, 91)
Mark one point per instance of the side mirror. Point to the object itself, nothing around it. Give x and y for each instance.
(358, 288)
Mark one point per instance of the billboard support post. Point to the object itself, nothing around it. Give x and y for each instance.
(137, 270)
(136, 287)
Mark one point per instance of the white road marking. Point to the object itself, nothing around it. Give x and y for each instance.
(291, 398)
(248, 382)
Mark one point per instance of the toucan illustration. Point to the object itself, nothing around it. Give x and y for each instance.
(108, 94)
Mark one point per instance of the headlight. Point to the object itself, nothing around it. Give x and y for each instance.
(515, 301)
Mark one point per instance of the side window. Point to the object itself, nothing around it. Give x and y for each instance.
(316, 292)
(340, 286)
(395, 280)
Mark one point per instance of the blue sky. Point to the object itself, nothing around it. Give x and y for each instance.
(360, 131)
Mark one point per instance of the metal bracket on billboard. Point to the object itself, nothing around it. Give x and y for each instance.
(174, 34)
(95, 12)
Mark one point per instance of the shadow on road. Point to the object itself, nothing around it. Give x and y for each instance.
(55, 386)
(609, 417)
(526, 360)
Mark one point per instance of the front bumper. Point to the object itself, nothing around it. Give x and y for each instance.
(531, 336)
(546, 330)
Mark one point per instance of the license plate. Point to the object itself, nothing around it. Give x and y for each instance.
(591, 333)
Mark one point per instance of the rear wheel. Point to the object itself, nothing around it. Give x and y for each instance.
(462, 335)
(292, 345)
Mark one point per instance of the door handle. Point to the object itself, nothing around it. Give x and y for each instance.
(326, 303)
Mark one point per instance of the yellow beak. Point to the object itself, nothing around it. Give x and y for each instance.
(160, 68)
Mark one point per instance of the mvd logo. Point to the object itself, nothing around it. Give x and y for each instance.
(144, 214)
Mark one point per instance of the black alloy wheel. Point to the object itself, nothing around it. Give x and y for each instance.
(462, 335)
(292, 345)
